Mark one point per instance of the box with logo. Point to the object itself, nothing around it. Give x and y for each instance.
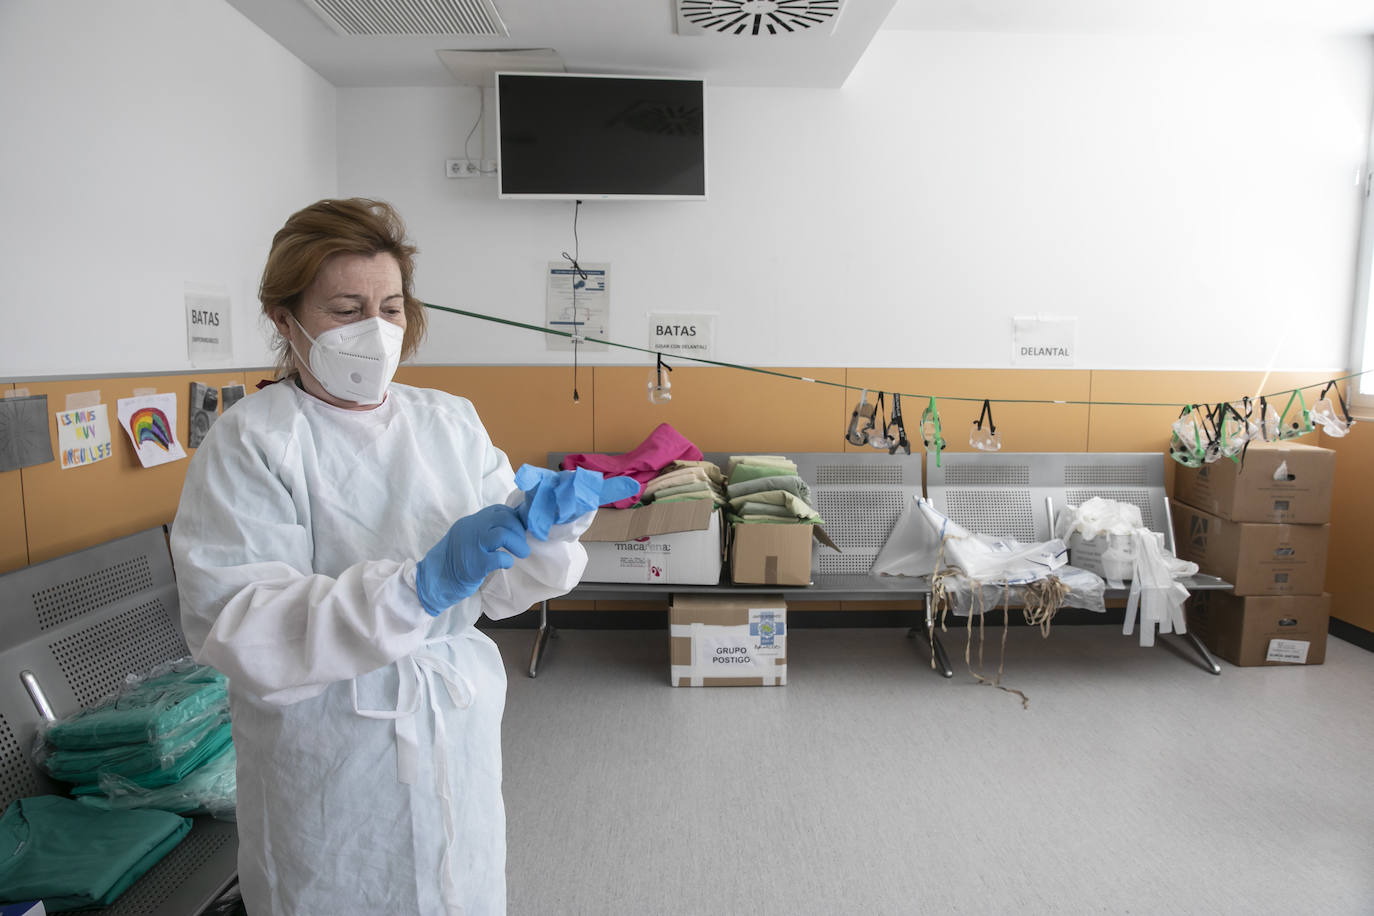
(762, 554)
(1260, 630)
(1257, 559)
(727, 641)
(668, 543)
(1279, 482)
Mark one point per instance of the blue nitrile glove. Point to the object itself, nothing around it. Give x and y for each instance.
(476, 546)
(558, 497)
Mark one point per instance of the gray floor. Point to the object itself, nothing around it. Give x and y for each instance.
(1134, 783)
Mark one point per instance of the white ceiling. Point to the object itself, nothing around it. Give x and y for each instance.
(640, 36)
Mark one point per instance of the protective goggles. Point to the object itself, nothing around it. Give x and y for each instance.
(1324, 413)
(985, 438)
(1189, 438)
(930, 431)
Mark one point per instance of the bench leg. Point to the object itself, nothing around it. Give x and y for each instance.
(932, 638)
(1208, 662)
(541, 638)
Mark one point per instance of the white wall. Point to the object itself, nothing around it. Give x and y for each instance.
(145, 144)
(1191, 200)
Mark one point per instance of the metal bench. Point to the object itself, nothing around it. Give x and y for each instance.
(860, 495)
(1008, 494)
(73, 629)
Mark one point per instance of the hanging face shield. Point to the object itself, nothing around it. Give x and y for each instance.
(879, 437)
(1324, 413)
(1295, 423)
(1230, 434)
(660, 386)
(983, 434)
(898, 428)
(1188, 442)
(861, 421)
(1268, 421)
(930, 431)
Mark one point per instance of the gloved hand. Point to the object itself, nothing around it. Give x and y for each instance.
(558, 497)
(476, 546)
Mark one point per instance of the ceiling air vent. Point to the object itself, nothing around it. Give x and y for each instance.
(410, 17)
(757, 17)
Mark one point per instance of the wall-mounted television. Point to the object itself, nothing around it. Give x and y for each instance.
(580, 136)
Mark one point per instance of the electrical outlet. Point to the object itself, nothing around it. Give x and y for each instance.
(489, 168)
(460, 168)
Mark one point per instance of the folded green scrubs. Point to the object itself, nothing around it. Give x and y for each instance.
(154, 772)
(144, 712)
(791, 505)
(789, 482)
(73, 856)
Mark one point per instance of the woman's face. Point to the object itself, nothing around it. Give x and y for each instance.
(348, 288)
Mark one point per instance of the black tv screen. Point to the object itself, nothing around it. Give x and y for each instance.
(593, 137)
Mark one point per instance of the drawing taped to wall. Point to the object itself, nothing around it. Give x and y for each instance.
(150, 422)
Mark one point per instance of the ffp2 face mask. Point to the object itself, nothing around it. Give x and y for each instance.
(355, 362)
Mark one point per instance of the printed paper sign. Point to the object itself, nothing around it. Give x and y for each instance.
(682, 335)
(1044, 341)
(726, 652)
(1287, 650)
(83, 436)
(578, 302)
(151, 422)
(768, 629)
(207, 325)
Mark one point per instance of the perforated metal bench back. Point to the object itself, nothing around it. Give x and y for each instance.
(1004, 494)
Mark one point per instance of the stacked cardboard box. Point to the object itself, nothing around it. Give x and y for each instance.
(1263, 527)
(728, 641)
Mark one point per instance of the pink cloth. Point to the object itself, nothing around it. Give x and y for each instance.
(644, 462)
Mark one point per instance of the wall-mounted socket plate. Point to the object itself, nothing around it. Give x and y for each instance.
(462, 168)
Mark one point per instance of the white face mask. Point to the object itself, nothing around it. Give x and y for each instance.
(355, 362)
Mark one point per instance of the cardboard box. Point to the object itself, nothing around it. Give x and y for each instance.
(669, 543)
(1248, 631)
(762, 554)
(1257, 559)
(734, 641)
(1281, 482)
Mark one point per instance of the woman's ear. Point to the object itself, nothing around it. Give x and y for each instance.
(281, 320)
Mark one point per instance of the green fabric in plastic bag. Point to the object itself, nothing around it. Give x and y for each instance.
(167, 753)
(145, 711)
(169, 771)
(210, 789)
(70, 855)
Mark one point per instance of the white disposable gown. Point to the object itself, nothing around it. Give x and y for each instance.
(368, 732)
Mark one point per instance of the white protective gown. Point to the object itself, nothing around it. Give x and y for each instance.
(368, 733)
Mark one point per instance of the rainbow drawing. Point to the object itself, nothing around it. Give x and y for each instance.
(148, 424)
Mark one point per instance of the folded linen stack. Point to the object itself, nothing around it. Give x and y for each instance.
(164, 742)
(765, 489)
(685, 480)
(71, 856)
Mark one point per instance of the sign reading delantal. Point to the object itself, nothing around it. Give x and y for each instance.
(1044, 341)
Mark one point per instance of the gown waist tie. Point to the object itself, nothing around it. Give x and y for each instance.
(425, 667)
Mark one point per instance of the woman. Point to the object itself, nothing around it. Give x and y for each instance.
(321, 568)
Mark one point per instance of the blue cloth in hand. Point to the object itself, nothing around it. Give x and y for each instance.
(476, 546)
(559, 497)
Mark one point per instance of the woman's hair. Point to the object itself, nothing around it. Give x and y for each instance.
(322, 230)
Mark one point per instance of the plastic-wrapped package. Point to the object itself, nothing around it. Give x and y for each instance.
(1138, 554)
(146, 709)
(142, 764)
(209, 789)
